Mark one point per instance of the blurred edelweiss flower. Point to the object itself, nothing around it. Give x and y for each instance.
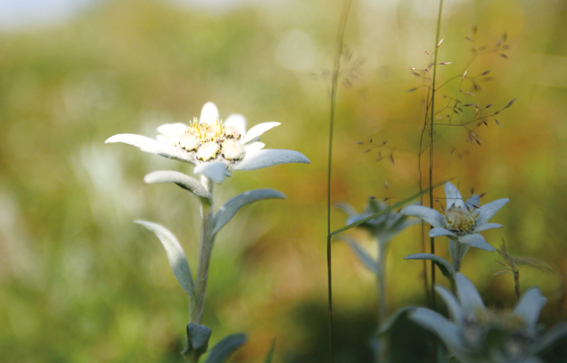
(478, 334)
(385, 227)
(215, 147)
(462, 221)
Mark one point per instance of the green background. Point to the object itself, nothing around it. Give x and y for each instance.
(80, 282)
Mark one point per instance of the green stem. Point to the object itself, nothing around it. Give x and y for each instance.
(192, 357)
(457, 259)
(335, 79)
(458, 251)
(424, 267)
(381, 284)
(383, 303)
(206, 246)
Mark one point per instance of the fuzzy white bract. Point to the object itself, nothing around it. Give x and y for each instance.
(462, 220)
(214, 146)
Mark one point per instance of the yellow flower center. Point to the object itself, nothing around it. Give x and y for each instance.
(460, 220)
(206, 132)
(211, 139)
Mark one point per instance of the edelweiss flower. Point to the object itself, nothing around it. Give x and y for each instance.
(478, 334)
(215, 147)
(462, 221)
(385, 227)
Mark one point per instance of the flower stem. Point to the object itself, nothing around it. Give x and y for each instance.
(381, 284)
(457, 260)
(383, 304)
(206, 246)
(207, 240)
(191, 357)
(458, 251)
(424, 268)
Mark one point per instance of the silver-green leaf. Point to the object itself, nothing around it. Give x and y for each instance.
(225, 348)
(175, 255)
(230, 208)
(197, 340)
(347, 208)
(184, 181)
(366, 260)
(270, 355)
(550, 337)
(388, 324)
(444, 266)
(443, 328)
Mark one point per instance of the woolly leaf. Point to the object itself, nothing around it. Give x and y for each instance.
(230, 208)
(225, 348)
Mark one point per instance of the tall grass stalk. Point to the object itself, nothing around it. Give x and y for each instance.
(335, 79)
(429, 116)
(432, 240)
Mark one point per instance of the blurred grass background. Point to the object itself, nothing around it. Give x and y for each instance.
(80, 282)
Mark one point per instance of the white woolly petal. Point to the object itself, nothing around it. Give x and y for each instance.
(209, 113)
(171, 130)
(473, 201)
(216, 171)
(151, 146)
(436, 232)
(237, 121)
(254, 146)
(164, 139)
(486, 227)
(264, 158)
(530, 306)
(258, 130)
(453, 196)
(469, 297)
(429, 215)
(488, 210)
(476, 240)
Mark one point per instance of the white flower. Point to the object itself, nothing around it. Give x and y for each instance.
(215, 147)
(472, 333)
(462, 221)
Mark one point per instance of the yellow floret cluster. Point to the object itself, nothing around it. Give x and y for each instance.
(211, 140)
(460, 220)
